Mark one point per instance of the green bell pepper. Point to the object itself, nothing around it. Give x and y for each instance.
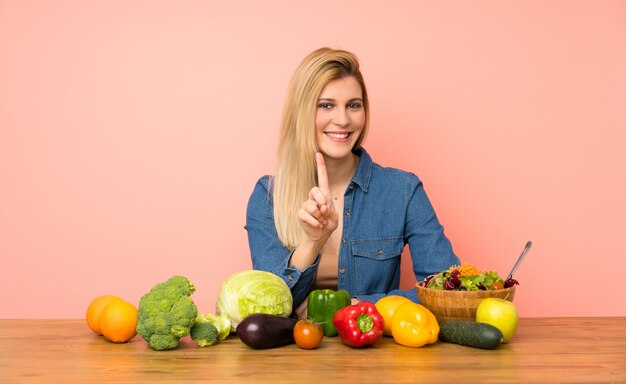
(322, 305)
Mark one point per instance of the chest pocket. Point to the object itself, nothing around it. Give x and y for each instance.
(378, 249)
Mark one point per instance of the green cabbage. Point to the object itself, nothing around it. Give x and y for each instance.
(253, 291)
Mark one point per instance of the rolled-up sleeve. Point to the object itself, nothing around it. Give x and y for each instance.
(266, 250)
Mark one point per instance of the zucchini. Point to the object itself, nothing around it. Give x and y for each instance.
(470, 333)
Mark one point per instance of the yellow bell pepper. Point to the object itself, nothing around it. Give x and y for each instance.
(387, 307)
(414, 325)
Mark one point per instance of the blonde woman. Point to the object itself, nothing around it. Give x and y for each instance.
(330, 217)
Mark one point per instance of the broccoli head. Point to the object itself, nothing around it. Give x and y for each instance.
(222, 323)
(204, 333)
(167, 313)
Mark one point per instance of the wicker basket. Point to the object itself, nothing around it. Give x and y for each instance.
(458, 305)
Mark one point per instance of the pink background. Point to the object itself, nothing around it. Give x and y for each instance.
(132, 133)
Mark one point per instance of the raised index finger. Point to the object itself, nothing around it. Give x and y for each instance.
(322, 176)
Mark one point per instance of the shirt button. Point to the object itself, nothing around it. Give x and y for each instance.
(342, 270)
(290, 278)
(380, 252)
(343, 240)
(347, 212)
(351, 186)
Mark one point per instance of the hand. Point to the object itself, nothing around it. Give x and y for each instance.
(317, 215)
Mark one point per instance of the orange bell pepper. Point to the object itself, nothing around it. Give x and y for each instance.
(414, 325)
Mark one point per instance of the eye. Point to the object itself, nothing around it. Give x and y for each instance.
(355, 105)
(325, 105)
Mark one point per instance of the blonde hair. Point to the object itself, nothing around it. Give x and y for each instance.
(296, 171)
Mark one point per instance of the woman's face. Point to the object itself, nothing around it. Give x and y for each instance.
(340, 117)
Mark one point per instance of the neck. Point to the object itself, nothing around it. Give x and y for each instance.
(340, 172)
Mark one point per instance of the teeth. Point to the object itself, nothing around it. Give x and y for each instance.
(338, 135)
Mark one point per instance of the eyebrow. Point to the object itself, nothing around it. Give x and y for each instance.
(331, 99)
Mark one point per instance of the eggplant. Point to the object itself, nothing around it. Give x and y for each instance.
(261, 331)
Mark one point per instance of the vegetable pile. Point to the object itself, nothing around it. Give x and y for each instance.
(466, 277)
(257, 305)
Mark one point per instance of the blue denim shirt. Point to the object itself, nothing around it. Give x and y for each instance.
(384, 210)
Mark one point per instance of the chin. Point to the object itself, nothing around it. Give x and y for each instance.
(337, 153)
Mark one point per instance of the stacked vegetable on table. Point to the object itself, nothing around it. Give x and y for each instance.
(257, 305)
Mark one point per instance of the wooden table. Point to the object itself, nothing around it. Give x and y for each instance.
(543, 350)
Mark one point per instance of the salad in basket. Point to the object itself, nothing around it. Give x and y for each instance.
(466, 277)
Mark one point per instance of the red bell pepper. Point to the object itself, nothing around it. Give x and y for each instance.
(359, 325)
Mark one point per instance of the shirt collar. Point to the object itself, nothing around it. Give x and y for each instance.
(363, 173)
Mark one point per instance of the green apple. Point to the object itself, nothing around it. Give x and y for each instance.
(500, 313)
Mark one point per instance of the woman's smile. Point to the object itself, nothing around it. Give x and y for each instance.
(340, 117)
(339, 136)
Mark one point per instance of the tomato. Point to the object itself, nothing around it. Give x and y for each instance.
(497, 285)
(308, 334)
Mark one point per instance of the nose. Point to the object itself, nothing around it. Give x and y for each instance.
(341, 117)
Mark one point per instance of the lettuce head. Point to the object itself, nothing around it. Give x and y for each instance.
(252, 291)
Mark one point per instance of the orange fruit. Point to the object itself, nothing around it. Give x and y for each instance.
(118, 321)
(94, 310)
(387, 307)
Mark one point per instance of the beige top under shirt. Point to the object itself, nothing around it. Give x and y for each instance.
(329, 262)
